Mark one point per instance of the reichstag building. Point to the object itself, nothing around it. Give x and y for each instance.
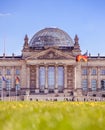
(47, 67)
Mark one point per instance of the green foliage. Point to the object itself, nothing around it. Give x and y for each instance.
(52, 115)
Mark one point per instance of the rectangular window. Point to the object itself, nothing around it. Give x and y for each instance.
(0, 72)
(93, 72)
(51, 77)
(103, 72)
(8, 84)
(0, 84)
(103, 84)
(60, 78)
(42, 77)
(17, 87)
(84, 84)
(17, 83)
(8, 72)
(17, 72)
(93, 84)
(84, 71)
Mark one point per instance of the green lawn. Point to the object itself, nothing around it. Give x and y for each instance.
(52, 115)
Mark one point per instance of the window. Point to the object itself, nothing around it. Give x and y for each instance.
(8, 72)
(8, 84)
(0, 72)
(103, 72)
(17, 72)
(93, 72)
(17, 86)
(84, 72)
(103, 84)
(17, 83)
(0, 84)
(42, 77)
(84, 84)
(93, 84)
(60, 78)
(51, 77)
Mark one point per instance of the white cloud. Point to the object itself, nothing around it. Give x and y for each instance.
(5, 14)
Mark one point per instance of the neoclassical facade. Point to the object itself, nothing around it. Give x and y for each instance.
(48, 67)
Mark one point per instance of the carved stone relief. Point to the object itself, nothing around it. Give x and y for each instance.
(51, 55)
(70, 77)
(32, 76)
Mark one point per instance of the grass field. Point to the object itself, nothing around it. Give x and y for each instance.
(52, 115)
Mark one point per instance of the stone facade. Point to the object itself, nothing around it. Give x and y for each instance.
(81, 80)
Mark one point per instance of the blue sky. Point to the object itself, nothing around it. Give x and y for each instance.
(86, 18)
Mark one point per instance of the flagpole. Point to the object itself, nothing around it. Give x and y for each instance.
(87, 73)
(4, 46)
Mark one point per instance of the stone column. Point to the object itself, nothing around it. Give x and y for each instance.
(98, 78)
(78, 76)
(65, 77)
(23, 76)
(78, 91)
(28, 76)
(75, 78)
(89, 78)
(4, 75)
(46, 79)
(3, 83)
(56, 79)
(37, 79)
(13, 77)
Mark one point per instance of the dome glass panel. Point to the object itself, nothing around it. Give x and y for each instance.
(51, 37)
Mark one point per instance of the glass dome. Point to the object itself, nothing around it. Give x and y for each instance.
(51, 37)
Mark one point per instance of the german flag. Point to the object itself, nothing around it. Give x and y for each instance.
(81, 57)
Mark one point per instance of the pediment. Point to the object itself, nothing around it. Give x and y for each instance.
(51, 54)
